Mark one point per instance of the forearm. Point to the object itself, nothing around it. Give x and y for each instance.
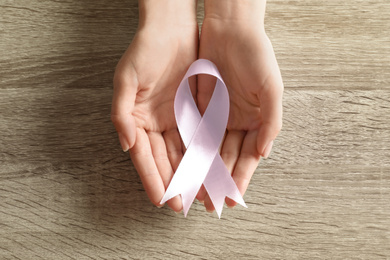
(167, 12)
(236, 10)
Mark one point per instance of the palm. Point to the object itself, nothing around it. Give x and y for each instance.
(159, 65)
(246, 61)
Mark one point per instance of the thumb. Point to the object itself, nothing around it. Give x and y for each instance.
(271, 114)
(125, 90)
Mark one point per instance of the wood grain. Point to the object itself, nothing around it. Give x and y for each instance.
(67, 191)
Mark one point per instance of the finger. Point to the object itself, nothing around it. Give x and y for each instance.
(201, 194)
(174, 147)
(246, 164)
(208, 204)
(164, 167)
(231, 148)
(143, 160)
(271, 114)
(125, 90)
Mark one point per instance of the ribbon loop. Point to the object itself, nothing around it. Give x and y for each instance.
(202, 137)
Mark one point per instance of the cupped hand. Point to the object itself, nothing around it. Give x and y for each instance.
(145, 83)
(245, 58)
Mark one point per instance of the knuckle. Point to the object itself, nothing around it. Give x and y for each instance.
(161, 157)
(273, 128)
(118, 120)
(229, 155)
(174, 152)
(155, 201)
(115, 119)
(119, 79)
(141, 153)
(278, 126)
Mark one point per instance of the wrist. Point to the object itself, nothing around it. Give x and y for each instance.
(172, 13)
(236, 11)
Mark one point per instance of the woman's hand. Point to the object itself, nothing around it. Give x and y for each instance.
(145, 83)
(233, 37)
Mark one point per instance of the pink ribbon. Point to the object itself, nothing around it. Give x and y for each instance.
(202, 137)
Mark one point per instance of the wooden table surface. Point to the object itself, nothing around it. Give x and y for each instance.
(67, 191)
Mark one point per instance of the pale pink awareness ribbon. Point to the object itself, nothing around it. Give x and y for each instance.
(202, 137)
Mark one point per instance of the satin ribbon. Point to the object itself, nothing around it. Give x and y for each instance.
(202, 137)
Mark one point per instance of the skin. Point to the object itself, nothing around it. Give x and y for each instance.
(149, 72)
(145, 83)
(233, 37)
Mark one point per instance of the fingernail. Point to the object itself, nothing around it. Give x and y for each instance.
(230, 206)
(178, 212)
(123, 141)
(268, 149)
(160, 206)
(202, 201)
(210, 210)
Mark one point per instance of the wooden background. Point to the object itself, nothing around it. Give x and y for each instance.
(67, 191)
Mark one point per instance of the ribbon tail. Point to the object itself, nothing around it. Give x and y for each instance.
(220, 184)
(187, 197)
(187, 200)
(169, 194)
(189, 177)
(188, 193)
